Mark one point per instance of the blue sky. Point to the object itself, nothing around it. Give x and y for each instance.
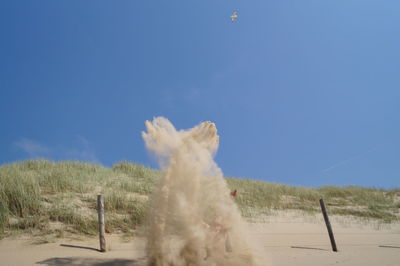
(302, 92)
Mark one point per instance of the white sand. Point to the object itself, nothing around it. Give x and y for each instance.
(286, 240)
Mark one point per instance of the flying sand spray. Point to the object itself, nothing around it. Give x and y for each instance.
(192, 220)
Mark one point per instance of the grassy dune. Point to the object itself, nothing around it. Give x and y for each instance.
(46, 198)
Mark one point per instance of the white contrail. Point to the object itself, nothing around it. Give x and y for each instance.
(348, 160)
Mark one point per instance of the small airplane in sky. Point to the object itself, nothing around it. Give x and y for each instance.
(234, 16)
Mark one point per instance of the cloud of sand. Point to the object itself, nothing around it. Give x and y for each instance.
(192, 220)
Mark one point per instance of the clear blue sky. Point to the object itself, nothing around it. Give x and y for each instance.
(302, 92)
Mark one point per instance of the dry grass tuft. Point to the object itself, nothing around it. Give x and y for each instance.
(35, 194)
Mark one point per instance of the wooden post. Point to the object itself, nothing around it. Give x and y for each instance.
(100, 211)
(328, 225)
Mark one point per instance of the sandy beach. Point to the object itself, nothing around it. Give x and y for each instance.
(284, 240)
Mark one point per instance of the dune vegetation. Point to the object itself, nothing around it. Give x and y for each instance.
(46, 198)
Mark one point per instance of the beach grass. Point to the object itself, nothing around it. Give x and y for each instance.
(43, 197)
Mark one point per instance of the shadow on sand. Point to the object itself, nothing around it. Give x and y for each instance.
(310, 248)
(91, 262)
(81, 247)
(386, 246)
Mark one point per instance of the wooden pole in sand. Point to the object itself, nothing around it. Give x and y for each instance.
(100, 211)
(328, 225)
